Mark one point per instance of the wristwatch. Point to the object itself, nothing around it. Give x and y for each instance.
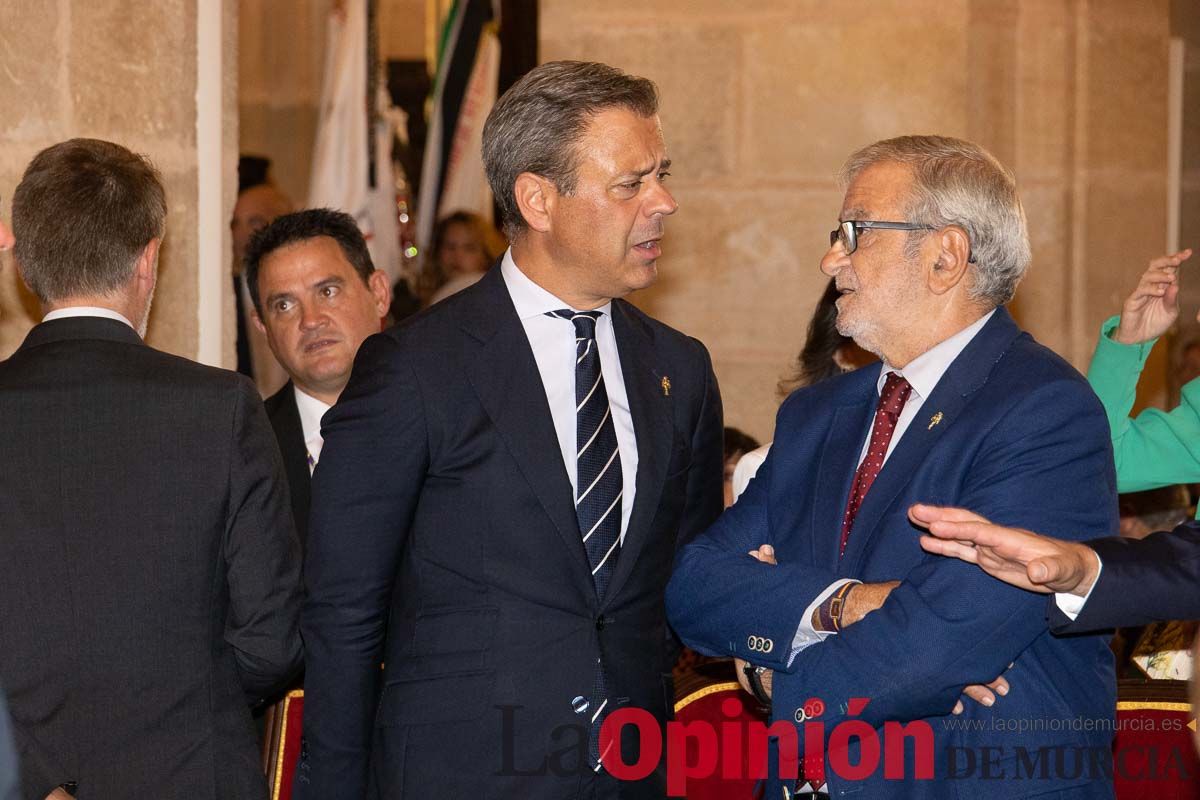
(754, 679)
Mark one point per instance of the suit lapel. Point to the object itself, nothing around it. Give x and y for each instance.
(289, 431)
(505, 377)
(651, 410)
(966, 375)
(835, 472)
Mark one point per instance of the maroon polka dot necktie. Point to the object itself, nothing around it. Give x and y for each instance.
(891, 402)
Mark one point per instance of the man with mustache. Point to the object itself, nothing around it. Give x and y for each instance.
(316, 296)
(505, 480)
(930, 243)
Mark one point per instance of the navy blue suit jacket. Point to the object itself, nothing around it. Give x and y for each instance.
(1022, 440)
(444, 543)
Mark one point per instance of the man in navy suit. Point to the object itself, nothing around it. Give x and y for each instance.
(504, 482)
(931, 241)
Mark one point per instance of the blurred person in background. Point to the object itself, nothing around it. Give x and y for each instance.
(826, 353)
(464, 246)
(737, 444)
(259, 202)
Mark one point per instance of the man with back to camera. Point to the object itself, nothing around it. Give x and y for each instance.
(505, 480)
(316, 297)
(149, 569)
(931, 241)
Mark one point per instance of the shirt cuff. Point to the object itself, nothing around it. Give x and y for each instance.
(1072, 604)
(806, 634)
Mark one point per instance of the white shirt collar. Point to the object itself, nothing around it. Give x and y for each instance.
(311, 410)
(924, 371)
(86, 311)
(530, 299)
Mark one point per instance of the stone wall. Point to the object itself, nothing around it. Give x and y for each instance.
(763, 101)
(127, 72)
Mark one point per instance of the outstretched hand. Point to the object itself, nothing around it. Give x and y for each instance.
(1153, 306)
(1018, 557)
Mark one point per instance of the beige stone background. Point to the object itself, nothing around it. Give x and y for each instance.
(762, 102)
(124, 71)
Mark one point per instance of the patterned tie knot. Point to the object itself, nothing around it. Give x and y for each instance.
(585, 321)
(894, 395)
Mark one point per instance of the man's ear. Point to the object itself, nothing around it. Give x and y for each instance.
(536, 198)
(381, 291)
(146, 268)
(258, 322)
(952, 253)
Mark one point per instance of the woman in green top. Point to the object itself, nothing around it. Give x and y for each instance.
(1155, 448)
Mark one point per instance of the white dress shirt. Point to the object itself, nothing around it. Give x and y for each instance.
(311, 410)
(86, 311)
(923, 373)
(553, 342)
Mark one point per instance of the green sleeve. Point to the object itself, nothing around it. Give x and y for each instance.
(1156, 448)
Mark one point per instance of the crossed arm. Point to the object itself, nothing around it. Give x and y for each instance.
(946, 625)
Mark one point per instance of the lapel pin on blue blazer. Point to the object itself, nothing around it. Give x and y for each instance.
(666, 386)
(934, 420)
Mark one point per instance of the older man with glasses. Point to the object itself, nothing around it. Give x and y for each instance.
(841, 615)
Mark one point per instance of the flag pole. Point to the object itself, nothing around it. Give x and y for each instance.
(372, 88)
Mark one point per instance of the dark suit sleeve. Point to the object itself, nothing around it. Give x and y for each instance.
(1046, 465)
(365, 491)
(262, 556)
(1142, 581)
(717, 589)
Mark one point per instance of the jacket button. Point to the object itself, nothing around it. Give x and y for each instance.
(601, 621)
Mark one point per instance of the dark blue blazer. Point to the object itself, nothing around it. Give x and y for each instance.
(1020, 439)
(443, 542)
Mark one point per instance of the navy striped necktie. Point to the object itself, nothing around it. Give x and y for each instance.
(597, 495)
(598, 461)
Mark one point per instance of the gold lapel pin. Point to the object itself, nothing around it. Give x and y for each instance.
(666, 384)
(934, 420)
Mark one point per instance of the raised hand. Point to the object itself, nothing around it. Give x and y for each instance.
(1153, 306)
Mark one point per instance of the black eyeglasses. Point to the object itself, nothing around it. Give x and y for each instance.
(848, 232)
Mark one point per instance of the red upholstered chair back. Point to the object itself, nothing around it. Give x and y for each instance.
(1154, 752)
(699, 696)
(282, 745)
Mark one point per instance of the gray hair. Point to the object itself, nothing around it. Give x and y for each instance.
(956, 182)
(535, 126)
(82, 214)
